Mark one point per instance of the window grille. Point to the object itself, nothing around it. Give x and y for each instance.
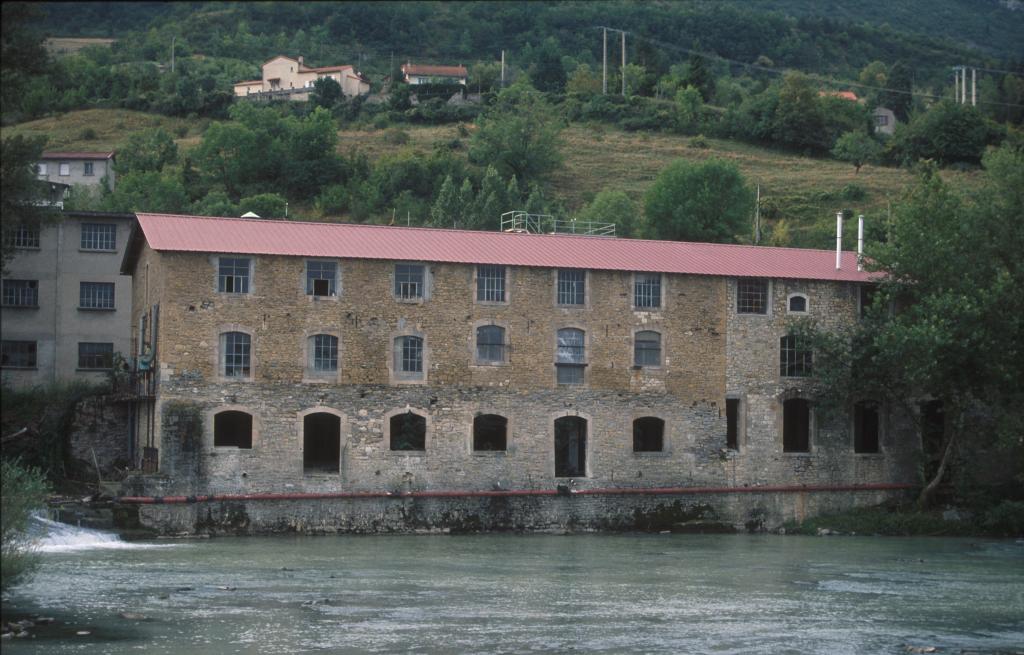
(233, 275)
(22, 236)
(96, 295)
(647, 349)
(96, 356)
(571, 286)
(795, 357)
(321, 278)
(87, 168)
(99, 236)
(237, 348)
(21, 293)
(325, 353)
(570, 358)
(18, 354)
(409, 281)
(752, 296)
(490, 283)
(490, 344)
(647, 291)
(410, 354)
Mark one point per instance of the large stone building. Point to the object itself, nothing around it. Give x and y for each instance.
(66, 306)
(292, 78)
(353, 377)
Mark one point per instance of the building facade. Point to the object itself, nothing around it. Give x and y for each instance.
(426, 74)
(493, 380)
(66, 306)
(293, 78)
(71, 168)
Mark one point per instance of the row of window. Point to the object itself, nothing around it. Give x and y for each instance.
(94, 236)
(65, 169)
(407, 431)
(25, 293)
(92, 356)
(491, 348)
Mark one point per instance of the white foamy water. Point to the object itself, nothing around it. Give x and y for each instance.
(54, 537)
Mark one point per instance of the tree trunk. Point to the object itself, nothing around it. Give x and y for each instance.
(950, 430)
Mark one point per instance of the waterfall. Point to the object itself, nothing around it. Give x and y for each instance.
(54, 537)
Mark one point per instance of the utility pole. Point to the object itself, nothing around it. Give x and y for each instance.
(963, 85)
(974, 87)
(503, 69)
(956, 85)
(623, 64)
(604, 59)
(757, 217)
(172, 52)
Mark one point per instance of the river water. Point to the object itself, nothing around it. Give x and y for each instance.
(620, 593)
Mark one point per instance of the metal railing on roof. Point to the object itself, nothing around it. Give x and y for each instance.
(525, 222)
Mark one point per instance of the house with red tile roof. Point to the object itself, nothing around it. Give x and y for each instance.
(291, 77)
(68, 168)
(427, 74)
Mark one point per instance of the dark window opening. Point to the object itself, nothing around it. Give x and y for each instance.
(232, 430)
(18, 354)
(798, 304)
(321, 278)
(647, 349)
(732, 420)
(796, 426)
(865, 427)
(752, 296)
(321, 443)
(321, 287)
(95, 356)
(490, 432)
(648, 435)
(570, 447)
(490, 344)
(795, 357)
(933, 422)
(408, 432)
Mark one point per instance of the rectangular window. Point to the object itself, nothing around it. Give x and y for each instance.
(410, 354)
(647, 291)
(795, 357)
(571, 286)
(237, 349)
(409, 279)
(65, 170)
(321, 278)
(18, 354)
(42, 169)
(752, 296)
(490, 344)
(99, 236)
(570, 358)
(325, 353)
(865, 427)
(732, 423)
(647, 349)
(87, 168)
(22, 236)
(21, 293)
(96, 356)
(490, 283)
(233, 275)
(96, 295)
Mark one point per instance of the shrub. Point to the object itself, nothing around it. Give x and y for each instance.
(22, 490)
(396, 137)
(700, 142)
(88, 134)
(1006, 519)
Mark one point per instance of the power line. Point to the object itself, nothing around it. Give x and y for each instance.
(819, 78)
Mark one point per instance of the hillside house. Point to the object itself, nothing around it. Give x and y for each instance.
(69, 168)
(885, 120)
(293, 79)
(426, 74)
(498, 380)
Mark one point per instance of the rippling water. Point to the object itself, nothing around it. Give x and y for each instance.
(527, 594)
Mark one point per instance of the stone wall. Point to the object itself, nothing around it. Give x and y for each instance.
(100, 429)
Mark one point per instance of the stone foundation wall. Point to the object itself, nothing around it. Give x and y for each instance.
(101, 428)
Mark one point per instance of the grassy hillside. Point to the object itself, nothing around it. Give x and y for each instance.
(803, 191)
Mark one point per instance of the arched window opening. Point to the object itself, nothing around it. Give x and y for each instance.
(321, 443)
(796, 426)
(490, 432)
(798, 304)
(232, 429)
(570, 447)
(648, 435)
(865, 427)
(408, 431)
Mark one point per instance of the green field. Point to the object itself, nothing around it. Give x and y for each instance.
(803, 191)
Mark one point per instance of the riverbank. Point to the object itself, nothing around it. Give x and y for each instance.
(1003, 519)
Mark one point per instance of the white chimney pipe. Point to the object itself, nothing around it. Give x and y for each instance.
(860, 242)
(839, 239)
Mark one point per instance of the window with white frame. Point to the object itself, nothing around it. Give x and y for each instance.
(42, 169)
(570, 358)
(233, 274)
(22, 236)
(87, 168)
(409, 357)
(323, 355)
(490, 344)
(236, 355)
(572, 286)
(95, 356)
(647, 290)
(99, 236)
(490, 283)
(409, 281)
(21, 293)
(752, 296)
(647, 349)
(64, 170)
(321, 278)
(96, 295)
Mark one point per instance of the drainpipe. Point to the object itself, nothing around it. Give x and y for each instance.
(860, 242)
(839, 239)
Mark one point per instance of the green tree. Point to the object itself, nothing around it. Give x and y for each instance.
(21, 192)
(447, 208)
(899, 85)
(547, 72)
(615, 207)
(689, 107)
(583, 82)
(799, 120)
(22, 490)
(857, 148)
(492, 201)
(148, 192)
(326, 93)
(946, 133)
(952, 266)
(519, 135)
(23, 58)
(698, 201)
(147, 151)
(264, 205)
(699, 76)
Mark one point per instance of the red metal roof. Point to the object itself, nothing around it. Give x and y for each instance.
(177, 233)
(76, 155)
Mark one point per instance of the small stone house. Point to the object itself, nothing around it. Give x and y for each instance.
(415, 74)
(293, 78)
(497, 380)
